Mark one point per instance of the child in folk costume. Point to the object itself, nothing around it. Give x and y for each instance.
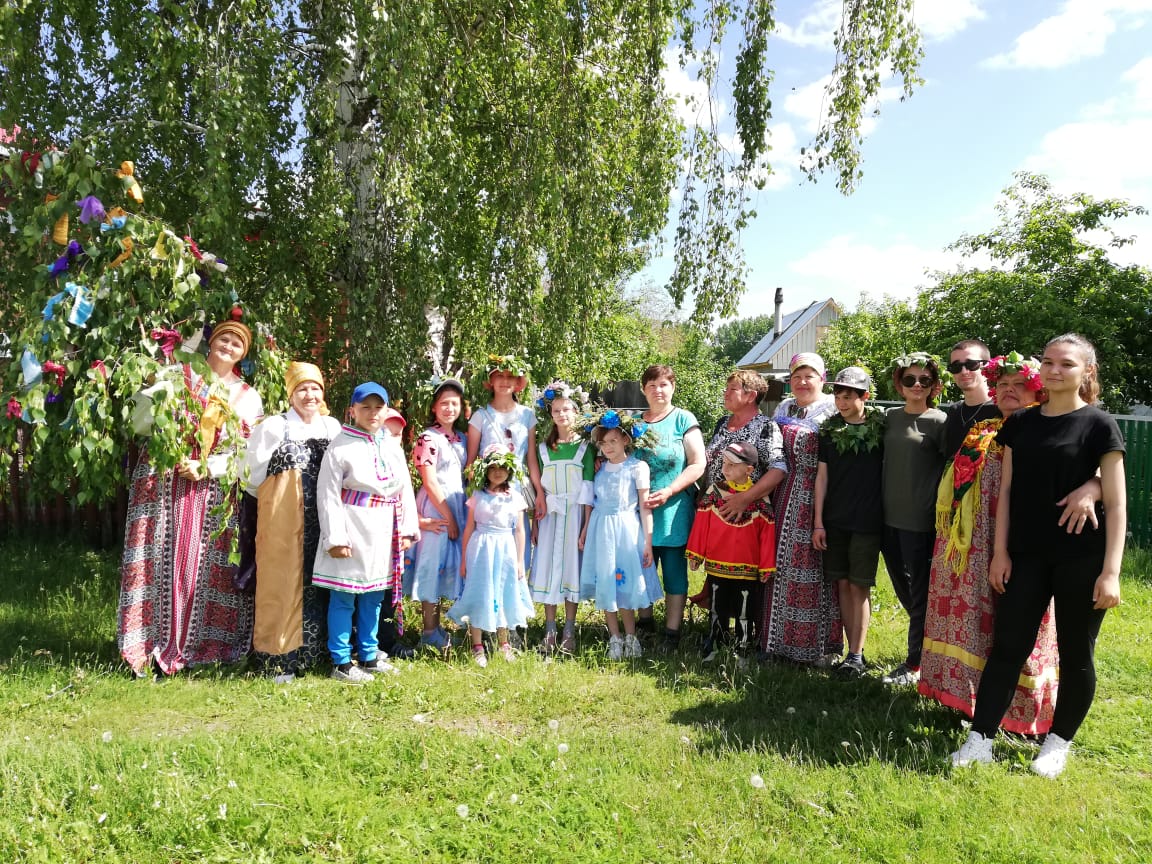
(617, 570)
(737, 555)
(567, 468)
(367, 520)
(439, 457)
(495, 595)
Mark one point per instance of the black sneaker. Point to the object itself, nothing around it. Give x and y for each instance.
(849, 669)
(399, 651)
(670, 644)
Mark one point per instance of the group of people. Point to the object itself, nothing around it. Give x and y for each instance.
(787, 515)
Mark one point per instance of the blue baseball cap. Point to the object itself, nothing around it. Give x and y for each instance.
(369, 388)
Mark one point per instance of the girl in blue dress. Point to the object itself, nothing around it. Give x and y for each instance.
(495, 595)
(617, 570)
(439, 458)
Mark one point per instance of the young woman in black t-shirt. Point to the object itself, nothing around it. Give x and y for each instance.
(1048, 451)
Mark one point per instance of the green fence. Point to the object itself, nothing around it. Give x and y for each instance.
(1138, 466)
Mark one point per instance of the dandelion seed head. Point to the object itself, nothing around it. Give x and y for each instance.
(553, 725)
(790, 710)
(561, 748)
(100, 819)
(222, 812)
(513, 798)
(418, 718)
(462, 811)
(106, 737)
(757, 781)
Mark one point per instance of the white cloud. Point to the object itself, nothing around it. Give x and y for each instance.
(941, 19)
(809, 102)
(937, 19)
(1081, 28)
(846, 265)
(688, 92)
(1105, 152)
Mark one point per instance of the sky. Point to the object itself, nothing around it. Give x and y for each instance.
(1058, 87)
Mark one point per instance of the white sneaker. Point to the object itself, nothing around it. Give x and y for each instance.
(975, 749)
(354, 675)
(479, 657)
(615, 648)
(632, 647)
(1053, 755)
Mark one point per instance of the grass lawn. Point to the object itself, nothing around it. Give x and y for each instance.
(580, 760)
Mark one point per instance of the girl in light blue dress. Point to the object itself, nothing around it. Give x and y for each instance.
(495, 595)
(439, 458)
(617, 570)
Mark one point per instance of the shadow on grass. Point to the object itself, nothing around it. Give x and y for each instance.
(58, 602)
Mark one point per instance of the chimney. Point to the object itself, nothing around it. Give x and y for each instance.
(779, 313)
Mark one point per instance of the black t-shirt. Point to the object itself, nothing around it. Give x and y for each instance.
(854, 499)
(1051, 456)
(961, 419)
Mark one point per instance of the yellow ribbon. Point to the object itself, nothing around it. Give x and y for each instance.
(126, 245)
(126, 172)
(60, 229)
(211, 422)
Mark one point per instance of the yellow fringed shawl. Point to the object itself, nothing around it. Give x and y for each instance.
(958, 498)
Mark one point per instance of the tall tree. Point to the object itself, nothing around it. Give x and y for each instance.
(1051, 273)
(734, 339)
(430, 181)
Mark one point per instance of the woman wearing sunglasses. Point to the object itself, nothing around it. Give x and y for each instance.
(913, 462)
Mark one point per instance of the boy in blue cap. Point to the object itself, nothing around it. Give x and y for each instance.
(368, 519)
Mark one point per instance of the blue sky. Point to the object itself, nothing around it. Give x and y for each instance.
(1062, 87)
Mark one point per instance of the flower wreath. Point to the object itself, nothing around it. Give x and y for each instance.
(1010, 364)
(914, 358)
(557, 390)
(495, 455)
(856, 437)
(637, 429)
(508, 363)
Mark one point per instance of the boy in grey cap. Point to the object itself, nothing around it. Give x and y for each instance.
(848, 521)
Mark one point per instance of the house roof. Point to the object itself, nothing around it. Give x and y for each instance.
(790, 324)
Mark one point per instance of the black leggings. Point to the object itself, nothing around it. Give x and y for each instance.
(908, 559)
(1035, 580)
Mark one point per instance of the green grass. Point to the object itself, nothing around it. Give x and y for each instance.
(659, 763)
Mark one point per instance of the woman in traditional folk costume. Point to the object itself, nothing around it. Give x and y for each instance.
(179, 605)
(284, 456)
(801, 617)
(961, 604)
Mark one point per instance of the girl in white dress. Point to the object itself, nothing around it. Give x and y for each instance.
(567, 468)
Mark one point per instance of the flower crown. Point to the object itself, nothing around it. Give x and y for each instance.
(558, 390)
(494, 456)
(1010, 364)
(634, 427)
(508, 363)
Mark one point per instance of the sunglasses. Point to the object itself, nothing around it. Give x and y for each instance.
(971, 365)
(924, 381)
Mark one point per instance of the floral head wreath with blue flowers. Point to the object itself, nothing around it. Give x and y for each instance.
(495, 456)
(641, 433)
(557, 390)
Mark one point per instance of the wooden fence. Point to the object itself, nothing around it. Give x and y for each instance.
(1138, 466)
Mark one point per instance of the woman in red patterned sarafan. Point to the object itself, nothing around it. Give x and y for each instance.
(179, 605)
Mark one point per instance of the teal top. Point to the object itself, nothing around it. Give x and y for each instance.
(672, 521)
